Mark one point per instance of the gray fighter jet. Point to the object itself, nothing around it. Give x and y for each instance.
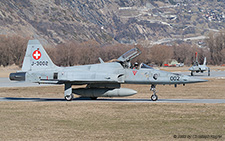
(199, 68)
(101, 80)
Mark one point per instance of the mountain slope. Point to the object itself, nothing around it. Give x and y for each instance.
(105, 21)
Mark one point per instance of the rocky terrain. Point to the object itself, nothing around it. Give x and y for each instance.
(109, 21)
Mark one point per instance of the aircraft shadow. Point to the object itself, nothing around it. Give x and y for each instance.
(88, 99)
(30, 99)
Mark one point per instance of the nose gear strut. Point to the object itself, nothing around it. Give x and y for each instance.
(154, 97)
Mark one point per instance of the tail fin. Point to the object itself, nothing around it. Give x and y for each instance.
(36, 57)
(196, 56)
(204, 63)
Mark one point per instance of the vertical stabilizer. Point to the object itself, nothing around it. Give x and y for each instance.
(196, 57)
(204, 63)
(36, 57)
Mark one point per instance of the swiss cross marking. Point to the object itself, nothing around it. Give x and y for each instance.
(134, 72)
(36, 55)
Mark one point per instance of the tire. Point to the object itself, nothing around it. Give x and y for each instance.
(69, 97)
(154, 97)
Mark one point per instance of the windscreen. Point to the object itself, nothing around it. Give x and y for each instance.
(145, 66)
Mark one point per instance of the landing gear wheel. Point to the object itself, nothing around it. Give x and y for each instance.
(69, 97)
(93, 98)
(154, 97)
(191, 73)
(208, 72)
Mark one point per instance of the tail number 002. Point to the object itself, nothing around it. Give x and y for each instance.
(174, 78)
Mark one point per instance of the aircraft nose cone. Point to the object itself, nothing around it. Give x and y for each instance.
(188, 79)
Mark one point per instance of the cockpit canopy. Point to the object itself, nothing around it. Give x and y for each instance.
(128, 56)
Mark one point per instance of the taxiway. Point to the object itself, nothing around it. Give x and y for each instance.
(114, 100)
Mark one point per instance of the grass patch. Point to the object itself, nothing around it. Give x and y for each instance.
(108, 121)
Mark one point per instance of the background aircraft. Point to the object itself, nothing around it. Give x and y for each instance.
(199, 68)
(101, 80)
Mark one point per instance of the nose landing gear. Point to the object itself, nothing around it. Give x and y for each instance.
(208, 71)
(154, 97)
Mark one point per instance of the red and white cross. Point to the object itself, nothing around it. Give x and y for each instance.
(36, 55)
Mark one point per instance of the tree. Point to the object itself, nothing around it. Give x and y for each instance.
(160, 53)
(12, 49)
(183, 53)
(216, 43)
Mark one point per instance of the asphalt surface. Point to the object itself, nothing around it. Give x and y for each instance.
(113, 100)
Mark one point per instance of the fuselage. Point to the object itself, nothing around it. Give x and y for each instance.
(199, 68)
(105, 73)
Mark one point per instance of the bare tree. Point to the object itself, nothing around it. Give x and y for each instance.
(160, 53)
(12, 49)
(216, 43)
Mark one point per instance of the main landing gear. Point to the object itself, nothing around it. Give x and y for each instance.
(154, 97)
(208, 71)
(68, 95)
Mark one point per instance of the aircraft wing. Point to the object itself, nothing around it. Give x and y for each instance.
(97, 78)
(74, 82)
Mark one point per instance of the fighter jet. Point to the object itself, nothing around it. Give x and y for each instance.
(199, 68)
(99, 80)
